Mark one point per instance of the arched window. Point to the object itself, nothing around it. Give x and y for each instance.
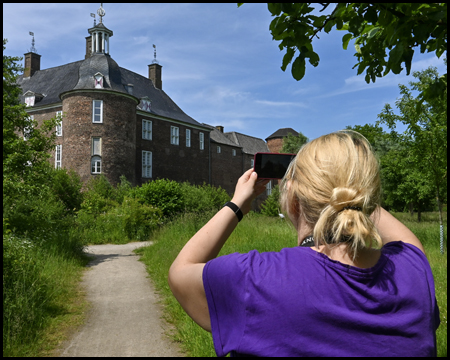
(96, 164)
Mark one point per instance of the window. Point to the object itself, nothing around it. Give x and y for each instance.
(269, 188)
(96, 152)
(188, 138)
(59, 126)
(97, 113)
(29, 100)
(58, 156)
(96, 164)
(202, 141)
(219, 150)
(147, 126)
(174, 135)
(233, 152)
(98, 79)
(28, 130)
(97, 146)
(252, 162)
(146, 164)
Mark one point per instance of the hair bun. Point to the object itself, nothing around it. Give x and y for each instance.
(342, 197)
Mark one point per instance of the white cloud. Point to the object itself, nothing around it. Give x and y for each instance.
(281, 103)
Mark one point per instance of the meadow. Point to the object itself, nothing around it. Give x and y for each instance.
(265, 233)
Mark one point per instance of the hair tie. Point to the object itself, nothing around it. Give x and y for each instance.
(357, 208)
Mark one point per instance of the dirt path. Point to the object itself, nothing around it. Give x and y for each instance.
(124, 318)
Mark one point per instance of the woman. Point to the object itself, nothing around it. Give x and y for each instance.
(334, 295)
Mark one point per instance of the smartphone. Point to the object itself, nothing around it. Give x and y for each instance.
(271, 165)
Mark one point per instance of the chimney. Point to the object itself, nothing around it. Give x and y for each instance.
(88, 47)
(220, 128)
(32, 64)
(154, 74)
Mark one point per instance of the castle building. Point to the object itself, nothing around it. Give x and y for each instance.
(116, 122)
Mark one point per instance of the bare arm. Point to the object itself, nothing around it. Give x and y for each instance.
(391, 229)
(185, 274)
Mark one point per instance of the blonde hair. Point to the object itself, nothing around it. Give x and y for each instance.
(335, 181)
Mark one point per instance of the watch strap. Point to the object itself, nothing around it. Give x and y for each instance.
(236, 210)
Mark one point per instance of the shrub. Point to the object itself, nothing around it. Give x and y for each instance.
(164, 194)
(139, 220)
(271, 207)
(67, 185)
(203, 198)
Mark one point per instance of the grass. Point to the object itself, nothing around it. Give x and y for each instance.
(42, 300)
(265, 234)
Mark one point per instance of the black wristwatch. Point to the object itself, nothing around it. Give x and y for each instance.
(236, 210)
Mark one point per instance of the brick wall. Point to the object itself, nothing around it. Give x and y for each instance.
(226, 168)
(174, 162)
(275, 145)
(117, 132)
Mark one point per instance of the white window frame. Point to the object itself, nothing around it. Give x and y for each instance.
(58, 156)
(96, 163)
(147, 164)
(100, 121)
(219, 149)
(27, 131)
(202, 140)
(174, 135)
(59, 126)
(93, 147)
(188, 138)
(147, 129)
(269, 188)
(233, 151)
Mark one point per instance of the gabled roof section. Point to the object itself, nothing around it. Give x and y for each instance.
(50, 82)
(219, 137)
(250, 145)
(161, 103)
(282, 133)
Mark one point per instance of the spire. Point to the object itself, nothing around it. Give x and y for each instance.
(154, 55)
(98, 42)
(101, 12)
(33, 49)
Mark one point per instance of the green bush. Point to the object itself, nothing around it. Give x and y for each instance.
(164, 194)
(67, 185)
(203, 198)
(139, 220)
(271, 207)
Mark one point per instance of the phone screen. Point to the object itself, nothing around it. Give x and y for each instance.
(272, 165)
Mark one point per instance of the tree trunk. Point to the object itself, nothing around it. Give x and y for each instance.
(441, 223)
(419, 212)
(411, 208)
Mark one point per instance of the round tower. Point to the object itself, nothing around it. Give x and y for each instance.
(100, 117)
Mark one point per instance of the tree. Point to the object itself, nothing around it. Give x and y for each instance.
(425, 138)
(376, 28)
(292, 144)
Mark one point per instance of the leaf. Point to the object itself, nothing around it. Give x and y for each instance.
(298, 68)
(372, 32)
(313, 58)
(345, 40)
(358, 49)
(287, 58)
(274, 8)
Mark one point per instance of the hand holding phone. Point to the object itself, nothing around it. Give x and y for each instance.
(271, 165)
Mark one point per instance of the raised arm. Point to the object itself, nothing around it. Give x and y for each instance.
(391, 229)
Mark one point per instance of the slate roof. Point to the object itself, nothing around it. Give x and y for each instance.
(281, 133)
(219, 137)
(79, 75)
(51, 82)
(250, 144)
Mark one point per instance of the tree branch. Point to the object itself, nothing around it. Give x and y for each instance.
(320, 29)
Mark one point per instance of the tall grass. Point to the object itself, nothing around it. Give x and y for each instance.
(40, 283)
(263, 234)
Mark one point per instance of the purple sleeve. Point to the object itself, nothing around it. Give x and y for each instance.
(224, 283)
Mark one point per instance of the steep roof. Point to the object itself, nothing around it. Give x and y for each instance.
(79, 75)
(219, 137)
(250, 145)
(281, 133)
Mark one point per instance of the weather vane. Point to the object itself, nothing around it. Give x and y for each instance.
(93, 15)
(32, 43)
(154, 55)
(101, 12)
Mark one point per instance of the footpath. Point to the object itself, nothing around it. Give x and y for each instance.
(124, 318)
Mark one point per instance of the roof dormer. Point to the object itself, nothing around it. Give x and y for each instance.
(98, 78)
(145, 104)
(31, 98)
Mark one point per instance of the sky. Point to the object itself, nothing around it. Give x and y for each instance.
(219, 63)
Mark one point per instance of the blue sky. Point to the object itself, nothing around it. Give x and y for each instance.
(220, 64)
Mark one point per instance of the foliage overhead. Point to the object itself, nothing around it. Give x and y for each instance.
(386, 35)
(292, 144)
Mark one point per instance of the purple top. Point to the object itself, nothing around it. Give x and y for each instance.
(298, 302)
